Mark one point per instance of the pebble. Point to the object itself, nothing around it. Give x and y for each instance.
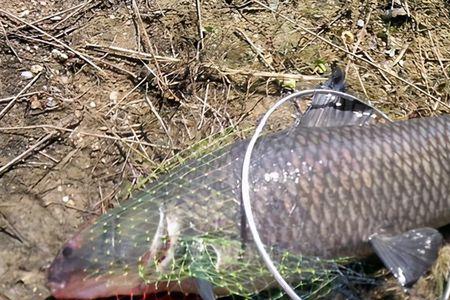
(26, 75)
(396, 13)
(35, 103)
(36, 69)
(59, 55)
(390, 52)
(51, 102)
(24, 14)
(64, 79)
(113, 96)
(360, 23)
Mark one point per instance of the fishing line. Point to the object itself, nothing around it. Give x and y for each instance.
(245, 187)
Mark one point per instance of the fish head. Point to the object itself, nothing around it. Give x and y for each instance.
(105, 258)
(78, 271)
(69, 275)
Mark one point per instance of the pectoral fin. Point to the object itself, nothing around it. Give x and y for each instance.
(409, 255)
(205, 289)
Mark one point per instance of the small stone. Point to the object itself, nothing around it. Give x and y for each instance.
(390, 52)
(51, 102)
(396, 13)
(95, 146)
(360, 23)
(78, 114)
(24, 13)
(113, 96)
(26, 75)
(64, 79)
(65, 199)
(387, 87)
(35, 103)
(92, 104)
(36, 69)
(56, 18)
(59, 55)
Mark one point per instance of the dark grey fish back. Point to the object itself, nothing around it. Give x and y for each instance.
(324, 191)
(316, 191)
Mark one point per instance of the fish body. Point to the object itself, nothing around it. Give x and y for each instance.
(316, 192)
(332, 188)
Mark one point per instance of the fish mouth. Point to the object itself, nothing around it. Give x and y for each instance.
(56, 286)
(114, 287)
(75, 288)
(78, 288)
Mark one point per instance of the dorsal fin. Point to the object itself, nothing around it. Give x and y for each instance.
(328, 110)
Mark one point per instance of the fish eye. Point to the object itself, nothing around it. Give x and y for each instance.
(67, 251)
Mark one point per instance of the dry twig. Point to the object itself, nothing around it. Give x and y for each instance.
(45, 18)
(74, 11)
(130, 53)
(24, 154)
(361, 35)
(160, 79)
(438, 54)
(102, 136)
(8, 42)
(141, 55)
(198, 6)
(254, 73)
(80, 55)
(8, 99)
(160, 120)
(255, 48)
(13, 101)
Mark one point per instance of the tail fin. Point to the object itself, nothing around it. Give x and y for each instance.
(328, 110)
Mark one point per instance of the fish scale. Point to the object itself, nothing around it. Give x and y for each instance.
(316, 192)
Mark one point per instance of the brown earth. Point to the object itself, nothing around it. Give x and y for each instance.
(83, 119)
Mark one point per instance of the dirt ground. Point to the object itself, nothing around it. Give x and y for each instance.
(96, 94)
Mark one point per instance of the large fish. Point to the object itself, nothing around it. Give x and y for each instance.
(332, 188)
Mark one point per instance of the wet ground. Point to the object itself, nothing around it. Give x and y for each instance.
(95, 95)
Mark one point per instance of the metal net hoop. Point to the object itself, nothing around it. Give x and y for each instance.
(245, 187)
